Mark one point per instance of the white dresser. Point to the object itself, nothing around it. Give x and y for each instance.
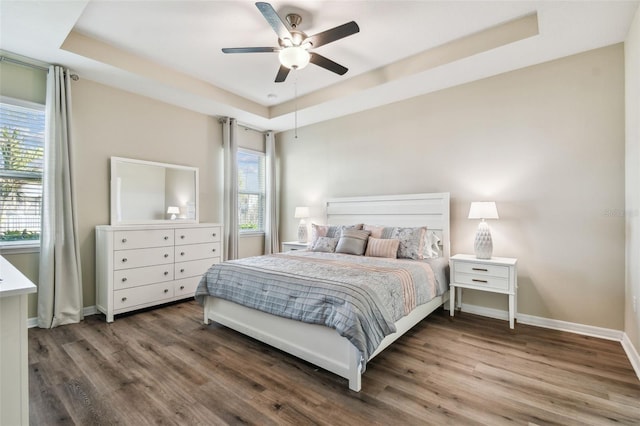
(147, 265)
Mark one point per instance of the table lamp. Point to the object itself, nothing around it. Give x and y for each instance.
(302, 213)
(483, 244)
(173, 211)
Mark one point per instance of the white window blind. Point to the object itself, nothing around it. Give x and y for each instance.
(251, 190)
(21, 162)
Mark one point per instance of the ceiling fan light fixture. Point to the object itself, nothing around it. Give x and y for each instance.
(294, 57)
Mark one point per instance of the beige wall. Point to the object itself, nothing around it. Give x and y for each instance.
(109, 122)
(632, 92)
(546, 143)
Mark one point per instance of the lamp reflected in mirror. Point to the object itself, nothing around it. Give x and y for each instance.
(173, 211)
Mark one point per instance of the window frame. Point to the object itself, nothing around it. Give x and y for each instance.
(262, 194)
(24, 246)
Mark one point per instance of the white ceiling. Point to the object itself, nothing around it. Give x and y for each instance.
(171, 50)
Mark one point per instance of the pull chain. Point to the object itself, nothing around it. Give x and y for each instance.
(295, 112)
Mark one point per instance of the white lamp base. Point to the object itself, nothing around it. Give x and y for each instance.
(302, 231)
(483, 244)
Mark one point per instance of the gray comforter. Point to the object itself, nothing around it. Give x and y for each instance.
(360, 297)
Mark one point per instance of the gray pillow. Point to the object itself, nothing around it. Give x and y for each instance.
(353, 241)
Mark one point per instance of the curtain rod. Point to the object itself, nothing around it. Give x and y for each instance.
(73, 77)
(244, 126)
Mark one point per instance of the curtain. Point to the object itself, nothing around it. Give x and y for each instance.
(271, 239)
(60, 284)
(230, 216)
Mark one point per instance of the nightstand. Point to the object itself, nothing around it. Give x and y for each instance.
(497, 275)
(293, 245)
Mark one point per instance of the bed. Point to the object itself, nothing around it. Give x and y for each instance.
(323, 345)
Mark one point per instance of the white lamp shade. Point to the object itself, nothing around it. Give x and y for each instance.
(294, 57)
(483, 210)
(301, 213)
(173, 210)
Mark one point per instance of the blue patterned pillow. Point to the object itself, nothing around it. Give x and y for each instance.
(325, 244)
(411, 241)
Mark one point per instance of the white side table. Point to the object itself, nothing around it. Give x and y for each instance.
(293, 245)
(497, 275)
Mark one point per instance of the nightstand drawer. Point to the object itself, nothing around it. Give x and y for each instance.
(482, 269)
(489, 282)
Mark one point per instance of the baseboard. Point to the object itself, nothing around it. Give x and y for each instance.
(632, 354)
(587, 330)
(86, 311)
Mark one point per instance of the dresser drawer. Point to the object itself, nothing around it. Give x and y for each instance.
(123, 240)
(133, 277)
(197, 235)
(186, 287)
(194, 268)
(196, 251)
(124, 259)
(482, 269)
(147, 294)
(488, 282)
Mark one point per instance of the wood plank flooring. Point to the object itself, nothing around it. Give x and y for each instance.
(164, 366)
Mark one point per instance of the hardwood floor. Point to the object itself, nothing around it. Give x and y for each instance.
(165, 367)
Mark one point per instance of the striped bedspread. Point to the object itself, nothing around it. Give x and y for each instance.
(360, 297)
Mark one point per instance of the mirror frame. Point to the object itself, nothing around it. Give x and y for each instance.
(114, 192)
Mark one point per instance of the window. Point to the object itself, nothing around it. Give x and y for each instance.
(21, 163)
(251, 190)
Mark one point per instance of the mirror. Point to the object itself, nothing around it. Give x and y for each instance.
(144, 192)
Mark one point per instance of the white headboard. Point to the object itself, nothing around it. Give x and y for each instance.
(430, 210)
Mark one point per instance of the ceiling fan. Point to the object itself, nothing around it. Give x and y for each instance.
(294, 45)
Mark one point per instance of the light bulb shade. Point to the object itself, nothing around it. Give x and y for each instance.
(301, 213)
(294, 57)
(483, 210)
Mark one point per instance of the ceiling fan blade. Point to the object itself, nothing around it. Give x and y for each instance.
(249, 49)
(334, 34)
(283, 72)
(328, 64)
(279, 26)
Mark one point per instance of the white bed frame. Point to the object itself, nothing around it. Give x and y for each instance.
(323, 346)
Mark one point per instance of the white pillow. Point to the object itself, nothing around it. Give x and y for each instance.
(431, 248)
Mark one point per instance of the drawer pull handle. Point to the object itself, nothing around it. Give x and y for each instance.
(181, 287)
(124, 299)
(166, 237)
(478, 281)
(181, 253)
(480, 269)
(166, 255)
(124, 279)
(182, 270)
(213, 250)
(166, 273)
(124, 240)
(124, 259)
(182, 237)
(166, 290)
(213, 235)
